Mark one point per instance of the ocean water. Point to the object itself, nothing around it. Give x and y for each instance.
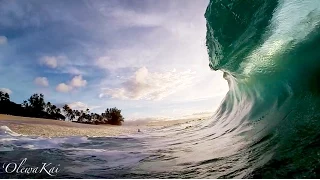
(268, 125)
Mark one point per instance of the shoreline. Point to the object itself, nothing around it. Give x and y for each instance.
(55, 128)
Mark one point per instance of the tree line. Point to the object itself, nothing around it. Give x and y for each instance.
(36, 106)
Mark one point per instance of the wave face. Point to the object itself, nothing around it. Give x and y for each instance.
(269, 52)
(266, 127)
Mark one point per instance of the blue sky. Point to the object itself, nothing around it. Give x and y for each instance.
(147, 58)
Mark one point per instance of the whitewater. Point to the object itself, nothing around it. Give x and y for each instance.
(267, 126)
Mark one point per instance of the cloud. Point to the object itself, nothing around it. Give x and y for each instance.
(41, 81)
(169, 39)
(49, 61)
(132, 57)
(72, 70)
(133, 18)
(150, 86)
(107, 42)
(76, 82)
(3, 40)
(81, 106)
(6, 90)
(62, 64)
(62, 87)
(53, 61)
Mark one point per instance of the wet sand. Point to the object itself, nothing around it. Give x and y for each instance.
(55, 128)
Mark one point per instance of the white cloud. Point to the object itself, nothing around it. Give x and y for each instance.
(53, 61)
(150, 86)
(62, 87)
(61, 64)
(81, 106)
(124, 57)
(77, 81)
(164, 36)
(103, 62)
(173, 41)
(6, 90)
(134, 18)
(41, 81)
(3, 40)
(72, 70)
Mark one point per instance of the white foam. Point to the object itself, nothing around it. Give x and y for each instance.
(7, 130)
(76, 146)
(9, 140)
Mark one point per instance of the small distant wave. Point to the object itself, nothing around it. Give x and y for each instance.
(6, 130)
(11, 139)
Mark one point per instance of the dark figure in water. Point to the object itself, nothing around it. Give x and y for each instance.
(139, 130)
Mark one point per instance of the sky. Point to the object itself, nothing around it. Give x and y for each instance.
(147, 58)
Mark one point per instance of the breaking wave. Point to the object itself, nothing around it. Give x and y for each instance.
(266, 127)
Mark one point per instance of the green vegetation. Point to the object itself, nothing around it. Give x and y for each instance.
(36, 106)
(110, 116)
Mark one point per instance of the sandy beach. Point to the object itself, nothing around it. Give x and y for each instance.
(55, 128)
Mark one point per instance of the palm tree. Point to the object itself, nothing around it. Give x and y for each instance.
(81, 116)
(25, 104)
(53, 109)
(7, 97)
(66, 109)
(68, 112)
(58, 110)
(37, 105)
(49, 108)
(71, 115)
(75, 114)
(4, 96)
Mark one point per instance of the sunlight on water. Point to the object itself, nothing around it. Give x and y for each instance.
(291, 23)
